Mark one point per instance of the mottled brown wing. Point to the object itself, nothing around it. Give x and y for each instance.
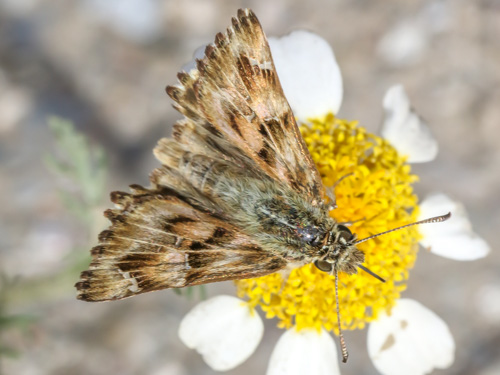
(235, 94)
(157, 240)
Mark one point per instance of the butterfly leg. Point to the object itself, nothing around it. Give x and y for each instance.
(330, 192)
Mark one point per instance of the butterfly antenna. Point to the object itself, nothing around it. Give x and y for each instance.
(370, 272)
(436, 219)
(345, 354)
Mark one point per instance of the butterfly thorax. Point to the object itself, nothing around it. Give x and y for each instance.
(285, 222)
(306, 233)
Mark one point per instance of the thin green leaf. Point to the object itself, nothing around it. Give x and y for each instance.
(189, 292)
(203, 292)
(84, 165)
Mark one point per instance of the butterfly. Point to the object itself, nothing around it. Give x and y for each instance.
(237, 196)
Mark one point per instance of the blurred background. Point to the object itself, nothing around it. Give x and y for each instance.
(103, 64)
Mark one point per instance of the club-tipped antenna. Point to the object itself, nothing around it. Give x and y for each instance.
(345, 354)
(436, 219)
(370, 272)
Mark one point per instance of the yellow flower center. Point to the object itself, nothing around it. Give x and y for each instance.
(377, 197)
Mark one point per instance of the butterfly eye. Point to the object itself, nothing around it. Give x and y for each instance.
(323, 265)
(345, 233)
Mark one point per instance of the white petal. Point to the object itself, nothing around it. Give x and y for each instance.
(198, 53)
(304, 352)
(309, 74)
(405, 130)
(453, 238)
(223, 330)
(412, 341)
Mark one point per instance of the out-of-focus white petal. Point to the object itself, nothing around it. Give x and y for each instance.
(405, 130)
(403, 44)
(223, 330)
(304, 352)
(412, 341)
(309, 74)
(453, 238)
(408, 40)
(199, 53)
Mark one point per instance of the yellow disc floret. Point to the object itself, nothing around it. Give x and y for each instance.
(377, 197)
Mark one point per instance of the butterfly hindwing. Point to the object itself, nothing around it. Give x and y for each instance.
(157, 240)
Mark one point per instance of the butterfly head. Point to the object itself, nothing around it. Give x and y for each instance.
(341, 253)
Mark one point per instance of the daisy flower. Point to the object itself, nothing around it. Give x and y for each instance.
(378, 196)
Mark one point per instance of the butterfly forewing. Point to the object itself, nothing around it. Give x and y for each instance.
(236, 93)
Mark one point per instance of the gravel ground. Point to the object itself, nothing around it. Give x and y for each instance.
(104, 65)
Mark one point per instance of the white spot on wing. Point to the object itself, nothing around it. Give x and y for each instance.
(262, 65)
(134, 287)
